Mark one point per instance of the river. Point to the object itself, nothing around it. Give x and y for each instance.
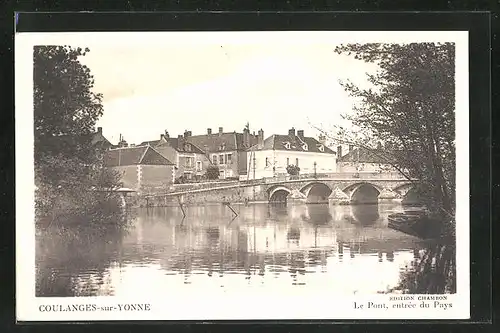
(345, 249)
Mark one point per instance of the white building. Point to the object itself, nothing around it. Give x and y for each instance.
(271, 157)
(362, 160)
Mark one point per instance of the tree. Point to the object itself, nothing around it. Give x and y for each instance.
(64, 103)
(292, 170)
(212, 172)
(65, 112)
(67, 164)
(411, 110)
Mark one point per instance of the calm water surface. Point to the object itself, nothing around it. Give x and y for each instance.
(344, 249)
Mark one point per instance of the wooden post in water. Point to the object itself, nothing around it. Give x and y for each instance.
(180, 205)
(229, 205)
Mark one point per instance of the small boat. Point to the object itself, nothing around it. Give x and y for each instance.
(414, 223)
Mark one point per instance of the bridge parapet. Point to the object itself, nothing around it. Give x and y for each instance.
(335, 176)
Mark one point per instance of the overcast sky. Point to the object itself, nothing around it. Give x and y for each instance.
(179, 86)
(178, 81)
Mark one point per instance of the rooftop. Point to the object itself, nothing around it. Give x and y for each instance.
(293, 143)
(144, 155)
(363, 155)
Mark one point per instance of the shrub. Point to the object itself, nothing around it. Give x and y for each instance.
(212, 172)
(292, 170)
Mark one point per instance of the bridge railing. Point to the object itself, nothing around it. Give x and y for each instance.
(338, 175)
(284, 178)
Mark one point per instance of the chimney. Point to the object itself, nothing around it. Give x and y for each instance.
(246, 137)
(162, 136)
(180, 140)
(187, 134)
(339, 151)
(220, 130)
(99, 130)
(209, 131)
(300, 134)
(166, 134)
(322, 139)
(291, 131)
(260, 138)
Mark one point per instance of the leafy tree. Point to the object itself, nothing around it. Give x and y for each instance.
(64, 103)
(292, 170)
(212, 172)
(411, 110)
(67, 164)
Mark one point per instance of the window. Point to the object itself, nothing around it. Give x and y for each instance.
(287, 145)
(296, 162)
(188, 162)
(199, 166)
(287, 161)
(221, 159)
(221, 174)
(267, 162)
(214, 159)
(229, 157)
(188, 147)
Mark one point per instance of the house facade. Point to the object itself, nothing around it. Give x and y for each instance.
(270, 157)
(190, 161)
(226, 150)
(140, 167)
(192, 154)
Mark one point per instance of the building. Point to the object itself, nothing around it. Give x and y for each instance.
(227, 150)
(270, 157)
(140, 167)
(362, 160)
(190, 161)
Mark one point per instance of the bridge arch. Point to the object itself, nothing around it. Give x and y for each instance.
(316, 192)
(409, 193)
(363, 193)
(278, 193)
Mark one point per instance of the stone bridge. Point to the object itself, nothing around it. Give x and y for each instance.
(335, 189)
(348, 191)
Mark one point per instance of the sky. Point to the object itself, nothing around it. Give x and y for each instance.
(154, 82)
(177, 85)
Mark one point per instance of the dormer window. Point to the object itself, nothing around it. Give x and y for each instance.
(304, 146)
(287, 145)
(321, 148)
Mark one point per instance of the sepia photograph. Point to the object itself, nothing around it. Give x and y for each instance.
(194, 170)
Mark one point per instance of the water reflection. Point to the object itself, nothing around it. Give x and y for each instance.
(319, 247)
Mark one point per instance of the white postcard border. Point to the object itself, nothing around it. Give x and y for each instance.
(255, 305)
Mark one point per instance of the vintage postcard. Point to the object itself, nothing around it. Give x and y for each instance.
(242, 175)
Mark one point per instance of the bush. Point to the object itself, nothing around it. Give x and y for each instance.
(292, 170)
(180, 180)
(212, 172)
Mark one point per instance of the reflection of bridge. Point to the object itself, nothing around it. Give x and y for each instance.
(339, 188)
